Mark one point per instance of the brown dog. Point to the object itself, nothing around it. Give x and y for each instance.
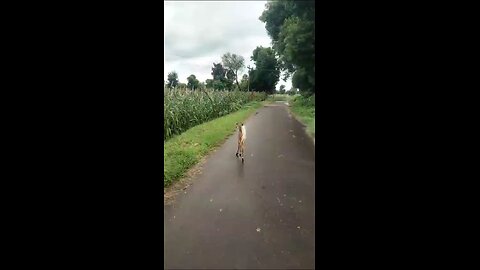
(242, 136)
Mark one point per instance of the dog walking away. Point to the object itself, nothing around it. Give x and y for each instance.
(242, 136)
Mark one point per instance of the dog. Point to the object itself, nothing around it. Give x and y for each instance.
(242, 136)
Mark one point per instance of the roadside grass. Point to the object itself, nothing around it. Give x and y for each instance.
(304, 110)
(185, 150)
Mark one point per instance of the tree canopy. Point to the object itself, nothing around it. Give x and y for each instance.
(266, 73)
(291, 26)
(172, 79)
(192, 82)
(234, 63)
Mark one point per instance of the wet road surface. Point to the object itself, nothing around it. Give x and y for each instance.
(256, 215)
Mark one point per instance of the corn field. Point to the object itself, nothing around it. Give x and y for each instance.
(184, 109)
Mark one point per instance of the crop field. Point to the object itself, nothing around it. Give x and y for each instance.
(184, 109)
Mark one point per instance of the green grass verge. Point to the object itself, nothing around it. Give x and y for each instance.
(304, 110)
(185, 150)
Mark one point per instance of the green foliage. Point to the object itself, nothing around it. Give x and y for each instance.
(209, 83)
(266, 73)
(218, 72)
(303, 108)
(172, 79)
(222, 78)
(291, 25)
(184, 109)
(244, 85)
(193, 83)
(234, 63)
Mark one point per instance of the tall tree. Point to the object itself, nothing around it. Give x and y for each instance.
(172, 79)
(291, 26)
(192, 82)
(235, 63)
(266, 73)
(244, 83)
(218, 73)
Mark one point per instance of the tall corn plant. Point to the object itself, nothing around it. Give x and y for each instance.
(184, 109)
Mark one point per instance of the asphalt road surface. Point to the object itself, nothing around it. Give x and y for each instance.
(256, 215)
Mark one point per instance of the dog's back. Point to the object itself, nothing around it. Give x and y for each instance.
(243, 133)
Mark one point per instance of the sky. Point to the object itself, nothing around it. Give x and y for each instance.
(198, 33)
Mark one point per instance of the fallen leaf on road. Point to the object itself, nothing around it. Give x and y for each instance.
(220, 209)
(298, 227)
(258, 229)
(211, 200)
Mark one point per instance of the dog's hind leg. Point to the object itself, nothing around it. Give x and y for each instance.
(242, 147)
(238, 149)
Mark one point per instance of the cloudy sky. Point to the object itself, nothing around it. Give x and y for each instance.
(198, 33)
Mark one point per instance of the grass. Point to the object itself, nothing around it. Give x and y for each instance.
(304, 110)
(185, 150)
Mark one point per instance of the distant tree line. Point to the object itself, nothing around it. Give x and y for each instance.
(225, 75)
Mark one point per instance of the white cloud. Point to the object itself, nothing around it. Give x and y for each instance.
(198, 33)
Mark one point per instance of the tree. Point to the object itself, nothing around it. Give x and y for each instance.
(235, 63)
(229, 79)
(209, 83)
(222, 78)
(182, 85)
(282, 89)
(266, 73)
(244, 83)
(192, 82)
(218, 72)
(291, 26)
(172, 79)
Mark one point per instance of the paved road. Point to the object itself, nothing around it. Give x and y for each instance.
(255, 215)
